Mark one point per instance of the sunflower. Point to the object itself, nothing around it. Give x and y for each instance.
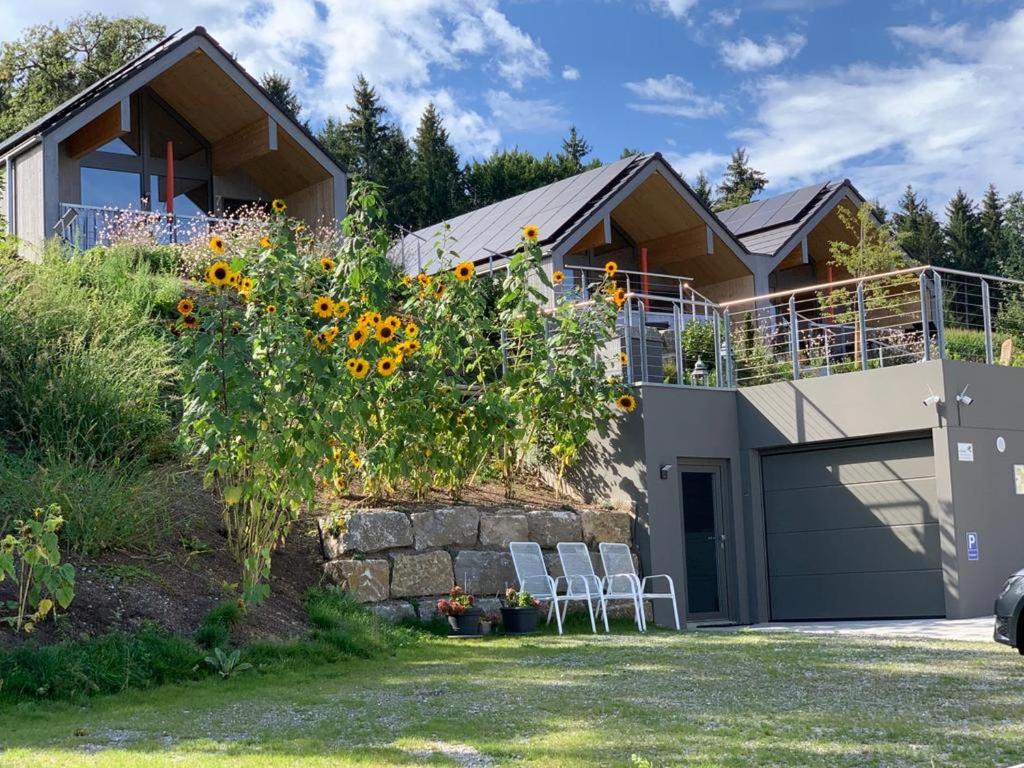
(185, 307)
(323, 306)
(530, 232)
(357, 462)
(412, 346)
(245, 285)
(464, 271)
(386, 366)
(385, 333)
(264, 242)
(357, 337)
(375, 319)
(218, 273)
(611, 268)
(327, 263)
(619, 297)
(393, 322)
(558, 277)
(407, 280)
(321, 341)
(217, 244)
(190, 321)
(623, 358)
(341, 309)
(412, 331)
(234, 278)
(271, 309)
(626, 403)
(331, 333)
(439, 290)
(278, 206)
(424, 279)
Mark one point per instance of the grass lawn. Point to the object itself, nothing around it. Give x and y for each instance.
(735, 699)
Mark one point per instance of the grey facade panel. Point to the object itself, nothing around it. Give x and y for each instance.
(873, 595)
(843, 466)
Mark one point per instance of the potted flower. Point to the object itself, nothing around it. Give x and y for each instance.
(489, 623)
(519, 613)
(462, 614)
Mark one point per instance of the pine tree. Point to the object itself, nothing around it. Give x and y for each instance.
(993, 234)
(506, 174)
(963, 234)
(1013, 230)
(629, 152)
(702, 189)
(919, 230)
(439, 190)
(574, 149)
(370, 147)
(740, 182)
(280, 90)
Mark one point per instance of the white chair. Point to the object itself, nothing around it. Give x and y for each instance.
(617, 561)
(582, 584)
(576, 559)
(532, 574)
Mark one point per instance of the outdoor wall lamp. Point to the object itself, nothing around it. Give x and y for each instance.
(664, 470)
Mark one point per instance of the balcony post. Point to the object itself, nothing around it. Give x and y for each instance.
(986, 313)
(643, 341)
(628, 334)
(940, 320)
(794, 338)
(862, 331)
(727, 327)
(925, 333)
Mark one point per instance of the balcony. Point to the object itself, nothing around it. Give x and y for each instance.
(674, 335)
(85, 226)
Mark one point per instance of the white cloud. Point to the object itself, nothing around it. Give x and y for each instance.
(402, 46)
(952, 39)
(939, 123)
(725, 17)
(746, 55)
(677, 9)
(692, 164)
(570, 73)
(672, 95)
(525, 114)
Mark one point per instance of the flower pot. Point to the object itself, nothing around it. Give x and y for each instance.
(466, 624)
(519, 621)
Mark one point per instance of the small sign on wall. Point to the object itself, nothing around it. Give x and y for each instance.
(1018, 478)
(973, 552)
(965, 451)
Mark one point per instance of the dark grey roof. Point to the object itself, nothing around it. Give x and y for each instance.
(81, 100)
(495, 230)
(764, 226)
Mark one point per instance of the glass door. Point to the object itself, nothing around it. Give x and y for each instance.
(704, 541)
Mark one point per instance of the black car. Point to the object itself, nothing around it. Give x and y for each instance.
(1010, 612)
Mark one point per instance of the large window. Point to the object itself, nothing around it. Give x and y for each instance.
(131, 171)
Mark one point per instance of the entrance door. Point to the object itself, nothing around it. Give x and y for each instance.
(704, 541)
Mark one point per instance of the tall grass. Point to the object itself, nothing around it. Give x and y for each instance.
(85, 370)
(117, 504)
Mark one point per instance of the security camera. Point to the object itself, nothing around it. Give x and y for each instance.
(963, 398)
(931, 400)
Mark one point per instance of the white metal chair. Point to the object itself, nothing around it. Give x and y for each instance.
(581, 581)
(532, 574)
(617, 561)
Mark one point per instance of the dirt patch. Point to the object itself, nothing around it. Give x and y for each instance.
(182, 576)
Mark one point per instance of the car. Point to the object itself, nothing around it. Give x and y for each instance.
(1010, 613)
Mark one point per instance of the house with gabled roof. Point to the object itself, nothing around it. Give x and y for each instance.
(640, 213)
(182, 131)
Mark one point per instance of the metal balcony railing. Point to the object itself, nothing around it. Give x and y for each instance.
(85, 226)
(879, 321)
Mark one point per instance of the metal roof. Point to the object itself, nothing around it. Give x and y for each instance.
(494, 230)
(82, 99)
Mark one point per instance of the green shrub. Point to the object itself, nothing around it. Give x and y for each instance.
(116, 504)
(119, 661)
(85, 370)
(215, 630)
(964, 344)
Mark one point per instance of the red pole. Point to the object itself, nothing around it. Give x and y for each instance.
(644, 279)
(169, 190)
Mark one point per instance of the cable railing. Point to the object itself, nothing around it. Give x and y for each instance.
(897, 318)
(86, 226)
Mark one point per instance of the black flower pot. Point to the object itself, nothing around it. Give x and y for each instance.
(468, 624)
(519, 621)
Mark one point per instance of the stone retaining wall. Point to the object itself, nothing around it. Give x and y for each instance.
(402, 562)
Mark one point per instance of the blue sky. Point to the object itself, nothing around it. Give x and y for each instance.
(882, 93)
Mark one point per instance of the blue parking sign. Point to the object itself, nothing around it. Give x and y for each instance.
(972, 546)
